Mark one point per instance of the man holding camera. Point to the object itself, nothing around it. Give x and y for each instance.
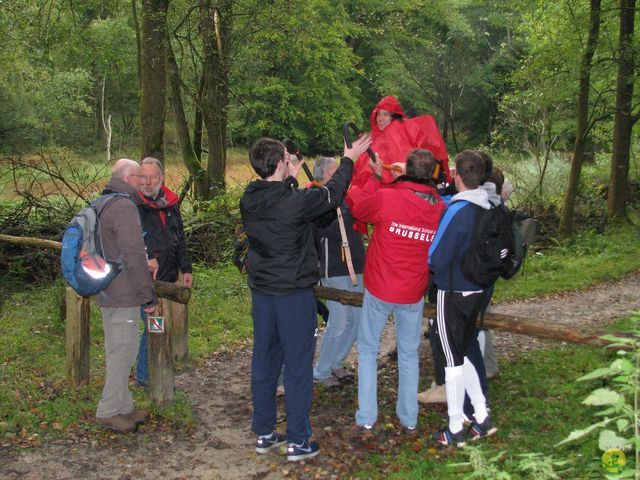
(282, 269)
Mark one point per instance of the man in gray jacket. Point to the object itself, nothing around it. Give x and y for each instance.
(120, 302)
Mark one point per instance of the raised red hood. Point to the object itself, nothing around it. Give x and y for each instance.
(390, 104)
(394, 143)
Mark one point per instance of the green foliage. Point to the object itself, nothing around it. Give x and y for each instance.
(444, 59)
(586, 260)
(483, 468)
(56, 59)
(619, 396)
(295, 75)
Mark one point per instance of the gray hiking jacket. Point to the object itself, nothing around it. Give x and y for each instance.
(123, 243)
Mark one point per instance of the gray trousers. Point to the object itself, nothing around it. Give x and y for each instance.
(121, 329)
(489, 354)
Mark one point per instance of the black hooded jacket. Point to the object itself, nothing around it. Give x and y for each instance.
(329, 244)
(277, 217)
(165, 239)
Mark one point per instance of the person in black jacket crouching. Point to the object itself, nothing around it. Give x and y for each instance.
(282, 267)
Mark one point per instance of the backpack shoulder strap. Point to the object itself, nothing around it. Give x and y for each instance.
(101, 203)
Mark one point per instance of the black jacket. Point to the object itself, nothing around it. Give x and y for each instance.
(278, 218)
(329, 243)
(164, 237)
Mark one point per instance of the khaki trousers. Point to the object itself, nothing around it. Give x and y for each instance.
(121, 326)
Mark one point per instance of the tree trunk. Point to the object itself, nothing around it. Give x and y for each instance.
(623, 123)
(136, 29)
(582, 126)
(197, 120)
(215, 25)
(153, 78)
(191, 161)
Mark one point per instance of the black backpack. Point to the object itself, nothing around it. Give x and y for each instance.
(492, 252)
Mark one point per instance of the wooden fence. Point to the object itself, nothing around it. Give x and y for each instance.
(172, 345)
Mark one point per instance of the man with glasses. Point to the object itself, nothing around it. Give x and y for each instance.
(120, 302)
(165, 241)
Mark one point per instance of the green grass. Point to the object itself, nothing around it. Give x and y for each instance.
(535, 403)
(35, 402)
(220, 310)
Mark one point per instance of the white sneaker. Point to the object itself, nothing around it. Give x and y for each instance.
(434, 394)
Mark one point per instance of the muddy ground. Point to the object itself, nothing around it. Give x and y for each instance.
(220, 444)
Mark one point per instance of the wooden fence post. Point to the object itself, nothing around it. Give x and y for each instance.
(77, 338)
(160, 357)
(179, 331)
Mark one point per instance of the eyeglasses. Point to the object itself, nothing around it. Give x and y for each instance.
(146, 178)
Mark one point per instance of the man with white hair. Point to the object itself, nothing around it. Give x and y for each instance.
(164, 239)
(120, 302)
(342, 329)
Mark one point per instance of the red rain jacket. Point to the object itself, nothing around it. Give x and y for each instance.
(394, 143)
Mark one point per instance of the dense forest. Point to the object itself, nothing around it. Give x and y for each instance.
(527, 77)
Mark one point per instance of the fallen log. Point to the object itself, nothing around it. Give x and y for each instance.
(497, 321)
(31, 241)
(171, 291)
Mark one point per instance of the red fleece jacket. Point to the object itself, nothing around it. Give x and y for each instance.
(405, 216)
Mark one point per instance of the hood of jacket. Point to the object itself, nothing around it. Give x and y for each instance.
(490, 188)
(476, 196)
(390, 104)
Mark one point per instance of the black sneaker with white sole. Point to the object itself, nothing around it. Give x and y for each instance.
(265, 443)
(302, 451)
(446, 437)
(481, 430)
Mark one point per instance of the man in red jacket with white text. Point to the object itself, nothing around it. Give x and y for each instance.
(405, 215)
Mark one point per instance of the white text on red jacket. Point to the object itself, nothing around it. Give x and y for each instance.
(412, 232)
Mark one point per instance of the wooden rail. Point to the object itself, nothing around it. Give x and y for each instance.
(497, 321)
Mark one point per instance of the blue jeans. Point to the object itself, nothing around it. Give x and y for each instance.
(408, 324)
(142, 365)
(284, 330)
(342, 329)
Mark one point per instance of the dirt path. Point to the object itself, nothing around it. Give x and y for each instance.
(220, 443)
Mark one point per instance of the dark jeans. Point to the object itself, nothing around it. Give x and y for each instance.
(284, 330)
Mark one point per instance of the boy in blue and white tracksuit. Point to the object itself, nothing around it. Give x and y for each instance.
(459, 300)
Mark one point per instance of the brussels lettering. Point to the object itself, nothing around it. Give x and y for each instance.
(409, 231)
